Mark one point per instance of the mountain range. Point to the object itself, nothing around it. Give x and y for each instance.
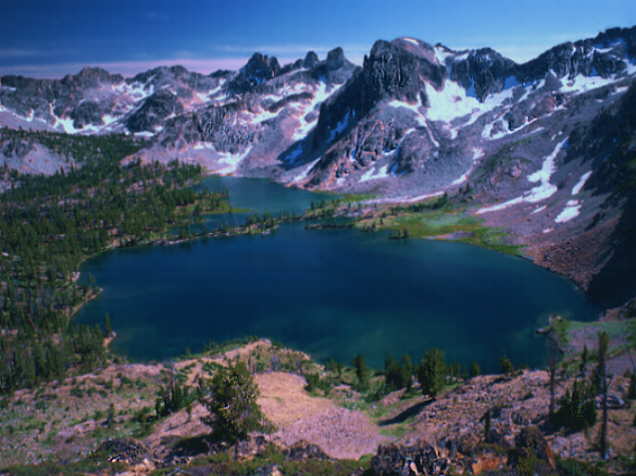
(545, 150)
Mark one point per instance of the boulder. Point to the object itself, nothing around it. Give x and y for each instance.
(531, 442)
(614, 402)
(303, 450)
(123, 450)
(402, 460)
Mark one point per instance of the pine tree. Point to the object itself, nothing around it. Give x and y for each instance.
(506, 365)
(603, 343)
(110, 417)
(108, 327)
(231, 398)
(391, 373)
(362, 372)
(584, 358)
(431, 372)
(406, 368)
(475, 370)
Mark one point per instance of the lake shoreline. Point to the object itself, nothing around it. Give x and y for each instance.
(252, 267)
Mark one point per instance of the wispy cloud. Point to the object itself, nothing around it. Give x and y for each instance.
(239, 54)
(189, 59)
(126, 68)
(17, 53)
(289, 49)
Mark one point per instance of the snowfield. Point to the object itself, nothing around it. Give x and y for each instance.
(453, 102)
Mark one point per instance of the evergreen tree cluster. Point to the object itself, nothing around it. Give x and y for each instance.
(30, 360)
(172, 397)
(398, 374)
(432, 373)
(50, 224)
(576, 411)
(80, 148)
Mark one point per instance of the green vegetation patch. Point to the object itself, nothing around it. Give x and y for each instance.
(440, 221)
(613, 328)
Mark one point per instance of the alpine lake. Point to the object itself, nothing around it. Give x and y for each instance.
(333, 293)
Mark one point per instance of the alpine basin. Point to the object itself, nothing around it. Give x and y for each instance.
(332, 293)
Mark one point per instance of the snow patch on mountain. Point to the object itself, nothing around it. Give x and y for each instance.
(411, 107)
(571, 210)
(203, 146)
(417, 198)
(544, 190)
(372, 174)
(262, 116)
(65, 124)
(305, 171)
(453, 101)
(538, 210)
(581, 183)
(320, 94)
(233, 161)
(580, 83)
(442, 53)
(144, 134)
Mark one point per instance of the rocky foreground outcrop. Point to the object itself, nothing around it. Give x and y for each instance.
(448, 457)
(407, 434)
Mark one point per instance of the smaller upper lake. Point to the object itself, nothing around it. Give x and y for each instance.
(264, 196)
(258, 196)
(332, 293)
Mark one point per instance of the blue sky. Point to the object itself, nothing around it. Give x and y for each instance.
(46, 38)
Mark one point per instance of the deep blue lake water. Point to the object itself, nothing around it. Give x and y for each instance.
(332, 293)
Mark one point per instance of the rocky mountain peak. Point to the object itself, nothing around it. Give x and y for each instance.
(393, 70)
(335, 58)
(91, 77)
(417, 47)
(336, 68)
(618, 37)
(311, 60)
(399, 68)
(609, 53)
(259, 68)
(262, 66)
(483, 71)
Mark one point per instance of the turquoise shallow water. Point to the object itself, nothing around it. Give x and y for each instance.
(333, 293)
